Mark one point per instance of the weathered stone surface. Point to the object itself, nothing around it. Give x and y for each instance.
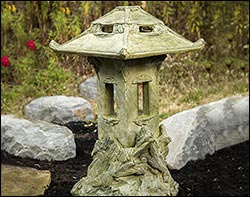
(205, 129)
(87, 88)
(140, 170)
(129, 157)
(128, 32)
(127, 46)
(59, 109)
(23, 181)
(36, 139)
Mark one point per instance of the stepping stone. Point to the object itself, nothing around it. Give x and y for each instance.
(23, 181)
(205, 129)
(59, 109)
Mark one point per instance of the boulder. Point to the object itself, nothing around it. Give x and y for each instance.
(59, 109)
(36, 139)
(87, 89)
(205, 129)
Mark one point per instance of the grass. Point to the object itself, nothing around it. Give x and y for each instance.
(172, 105)
(15, 97)
(187, 84)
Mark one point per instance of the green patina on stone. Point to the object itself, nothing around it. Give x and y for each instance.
(127, 32)
(126, 47)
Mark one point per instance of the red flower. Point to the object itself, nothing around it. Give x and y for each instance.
(31, 45)
(5, 61)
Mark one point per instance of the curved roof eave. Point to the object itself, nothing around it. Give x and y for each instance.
(124, 54)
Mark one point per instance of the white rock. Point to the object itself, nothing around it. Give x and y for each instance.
(59, 109)
(205, 129)
(88, 88)
(36, 139)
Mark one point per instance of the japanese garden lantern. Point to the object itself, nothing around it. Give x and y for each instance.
(126, 47)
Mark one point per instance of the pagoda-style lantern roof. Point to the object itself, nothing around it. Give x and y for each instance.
(127, 32)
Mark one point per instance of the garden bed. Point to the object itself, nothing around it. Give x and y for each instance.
(225, 173)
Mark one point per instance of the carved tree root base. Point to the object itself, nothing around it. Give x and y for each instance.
(146, 185)
(140, 170)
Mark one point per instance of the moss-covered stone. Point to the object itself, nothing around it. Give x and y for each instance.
(139, 170)
(127, 46)
(128, 32)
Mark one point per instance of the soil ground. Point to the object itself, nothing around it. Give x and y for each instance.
(225, 173)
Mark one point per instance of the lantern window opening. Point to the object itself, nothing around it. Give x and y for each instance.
(107, 28)
(146, 28)
(143, 98)
(110, 99)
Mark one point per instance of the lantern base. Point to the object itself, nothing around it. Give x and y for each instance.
(140, 170)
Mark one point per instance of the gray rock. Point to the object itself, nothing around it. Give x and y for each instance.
(88, 88)
(59, 109)
(36, 139)
(205, 129)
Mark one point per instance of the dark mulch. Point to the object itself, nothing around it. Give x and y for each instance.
(225, 173)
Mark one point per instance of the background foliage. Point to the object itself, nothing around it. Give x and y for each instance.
(221, 69)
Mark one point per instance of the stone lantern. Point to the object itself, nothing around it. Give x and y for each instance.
(126, 47)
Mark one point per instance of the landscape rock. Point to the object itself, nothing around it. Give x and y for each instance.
(23, 181)
(205, 129)
(88, 88)
(59, 109)
(36, 139)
